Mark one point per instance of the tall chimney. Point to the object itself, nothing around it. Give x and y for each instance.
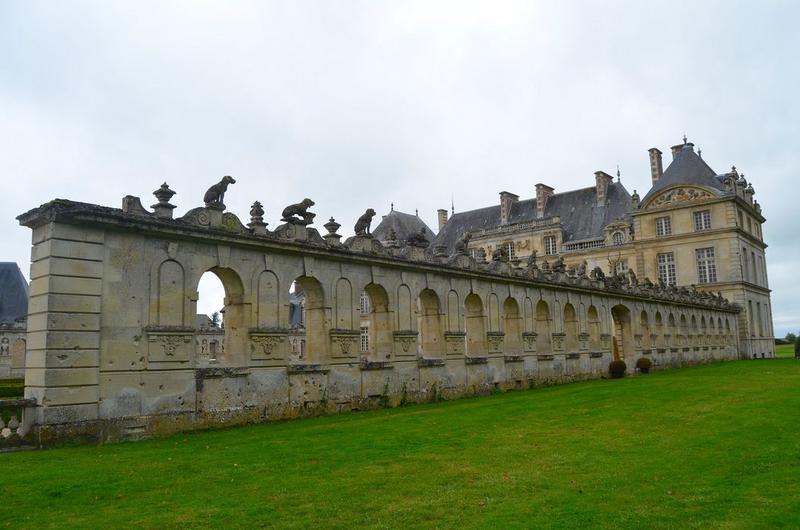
(442, 218)
(543, 192)
(656, 166)
(602, 180)
(506, 200)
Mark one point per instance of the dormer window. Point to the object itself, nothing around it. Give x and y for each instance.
(509, 248)
(550, 245)
(618, 239)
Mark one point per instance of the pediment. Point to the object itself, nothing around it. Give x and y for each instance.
(683, 194)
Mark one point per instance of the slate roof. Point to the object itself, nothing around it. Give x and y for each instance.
(404, 225)
(581, 217)
(13, 293)
(687, 168)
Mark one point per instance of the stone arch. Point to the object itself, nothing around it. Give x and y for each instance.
(343, 305)
(571, 329)
(512, 324)
(593, 325)
(494, 313)
(475, 326)
(544, 327)
(622, 339)
(453, 312)
(659, 330)
(171, 294)
(429, 317)
(405, 309)
(644, 330)
(683, 328)
(314, 323)
(268, 300)
(233, 348)
(530, 321)
(380, 323)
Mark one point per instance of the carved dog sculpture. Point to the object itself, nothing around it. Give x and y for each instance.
(300, 210)
(216, 193)
(364, 222)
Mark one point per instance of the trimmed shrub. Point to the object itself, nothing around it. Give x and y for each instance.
(644, 364)
(617, 369)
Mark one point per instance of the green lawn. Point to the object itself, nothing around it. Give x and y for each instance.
(715, 446)
(784, 350)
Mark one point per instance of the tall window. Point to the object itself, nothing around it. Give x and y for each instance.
(702, 220)
(753, 267)
(364, 339)
(618, 239)
(749, 225)
(550, 245)
(509, 247)
(621, 266)
(666, 268)
(741, 220)
(663, 226)
(364, 303)
(706, 268)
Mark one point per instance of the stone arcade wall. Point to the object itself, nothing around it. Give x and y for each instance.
(112, 352)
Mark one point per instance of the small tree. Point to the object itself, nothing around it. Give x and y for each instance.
(797, 347)
(791, 338)
(215, 319)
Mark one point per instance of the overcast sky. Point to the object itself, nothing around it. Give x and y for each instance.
(360, 104)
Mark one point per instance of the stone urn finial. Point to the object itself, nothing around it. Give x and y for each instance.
(164, 209)
(332, 237)
(257, 224)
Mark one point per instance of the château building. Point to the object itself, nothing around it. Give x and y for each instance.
(694, 227)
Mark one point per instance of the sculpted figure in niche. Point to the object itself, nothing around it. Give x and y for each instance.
(298, 213)
(364, 222)
(216, 193)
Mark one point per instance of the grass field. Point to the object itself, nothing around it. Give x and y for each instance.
(784, 351)
(715, 446)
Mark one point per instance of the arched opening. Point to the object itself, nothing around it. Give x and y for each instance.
(476, 326)
(209, 321)
(513, 327)
(622, 341)
(429, 318)
(593, 319)
(543, 329)
(221, 317)
(307, 320)
(703, 332)
(375, 317)
(571, 331)
(694, 338)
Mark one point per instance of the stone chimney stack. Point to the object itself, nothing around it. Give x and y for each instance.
(602, 180)
(656, 166)
(442, 218)
(506, 200)
(543, 193)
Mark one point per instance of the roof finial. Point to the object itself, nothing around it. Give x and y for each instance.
(452, 205)
(416, 212)
(684, 139)
(618, 179)
(391, 209)
(699, 152)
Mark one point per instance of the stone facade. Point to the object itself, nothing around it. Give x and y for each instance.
(705, 226)
(113, 347)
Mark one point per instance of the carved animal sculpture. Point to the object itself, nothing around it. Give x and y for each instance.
(364, 222)
(298, 213)
(216, 193)
(418, 240)
(462, 243)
